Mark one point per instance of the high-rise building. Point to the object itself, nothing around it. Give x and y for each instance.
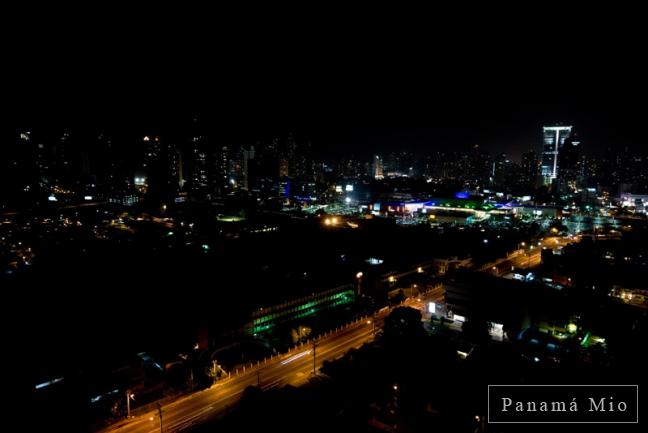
(504, 174)
(378, 167)
(570, 171)
(553, 139)
(61, 158)
(161, 165)
(247, 169)
(111, 173)
(44, 165)
(478, 167)
(283, 167)
(19, 173)
(223, 169)
(196, 175)
(530, 166)
(267, 161)
(198, 164)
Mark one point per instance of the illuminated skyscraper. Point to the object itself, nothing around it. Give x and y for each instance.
(199, 177)
(223, 167)
(378, 167)
(553, 139)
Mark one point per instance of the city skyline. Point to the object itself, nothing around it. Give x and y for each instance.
(196, 165)
(339, 141)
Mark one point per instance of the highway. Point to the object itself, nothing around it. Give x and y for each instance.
(294, 368)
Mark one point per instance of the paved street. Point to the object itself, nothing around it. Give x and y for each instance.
(292, 368)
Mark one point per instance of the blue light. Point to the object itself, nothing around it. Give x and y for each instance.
(462, 195)
(48, 383)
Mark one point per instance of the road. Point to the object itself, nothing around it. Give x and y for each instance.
(529, 256)
(294, 367)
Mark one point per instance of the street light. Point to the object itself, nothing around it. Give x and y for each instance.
(129, 396)
(359, 278)
(373, 323)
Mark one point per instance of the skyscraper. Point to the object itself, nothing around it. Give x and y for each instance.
(223, 166)
(530, 169)
(199, 176)
(378, 167)
(247, 163)
(553, 139)
(570, 171)
(161, 165)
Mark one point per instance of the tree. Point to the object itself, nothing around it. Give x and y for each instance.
(403, 324)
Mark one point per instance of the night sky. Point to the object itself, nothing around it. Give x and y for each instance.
(375, 91)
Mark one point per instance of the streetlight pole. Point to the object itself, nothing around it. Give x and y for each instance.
(373, 324)
(128, 407)
(359, 279)
(159, 408)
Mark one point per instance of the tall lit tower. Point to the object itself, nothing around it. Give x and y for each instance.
(378, 167)
(553, 139)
